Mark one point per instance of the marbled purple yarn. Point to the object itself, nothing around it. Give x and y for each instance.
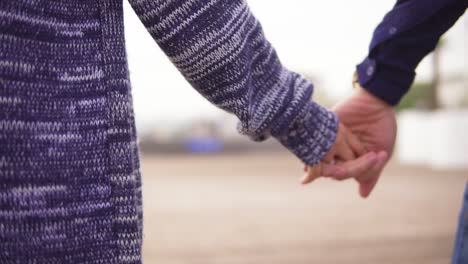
(70, 187)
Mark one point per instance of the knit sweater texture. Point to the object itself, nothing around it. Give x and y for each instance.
(70, 186)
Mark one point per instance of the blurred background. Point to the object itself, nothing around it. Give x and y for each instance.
(212, 196)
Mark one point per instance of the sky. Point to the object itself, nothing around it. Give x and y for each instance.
(325, 39)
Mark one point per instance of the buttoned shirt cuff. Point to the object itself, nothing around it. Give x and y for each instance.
(311, 134)
(388, 83)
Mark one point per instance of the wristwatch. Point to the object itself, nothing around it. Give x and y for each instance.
(355, 82)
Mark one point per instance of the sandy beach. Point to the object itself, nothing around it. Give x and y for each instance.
(251, 209)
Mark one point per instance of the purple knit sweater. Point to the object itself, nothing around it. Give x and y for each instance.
(70, 188)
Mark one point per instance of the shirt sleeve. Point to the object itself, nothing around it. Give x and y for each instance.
(220, 48)
(389, 69)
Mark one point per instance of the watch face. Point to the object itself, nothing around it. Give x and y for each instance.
(356, 80)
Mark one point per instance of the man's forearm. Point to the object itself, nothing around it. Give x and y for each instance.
(389, 69)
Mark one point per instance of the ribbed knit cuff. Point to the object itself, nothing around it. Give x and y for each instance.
(311, 134)
(388, 83)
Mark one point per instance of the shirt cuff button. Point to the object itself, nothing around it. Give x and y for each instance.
(392, 31)
(370, 70)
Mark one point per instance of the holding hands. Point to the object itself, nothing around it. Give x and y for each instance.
(363, 145)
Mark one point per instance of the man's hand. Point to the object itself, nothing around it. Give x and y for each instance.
(373, 122)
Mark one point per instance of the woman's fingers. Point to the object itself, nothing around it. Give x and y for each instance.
(345, 152)
(312, 173)
(342, 150)
(321, 169)
(353, 141)
(365, 169)
(347, 148)
(343, 171)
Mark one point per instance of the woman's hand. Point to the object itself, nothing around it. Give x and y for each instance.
(347, 147)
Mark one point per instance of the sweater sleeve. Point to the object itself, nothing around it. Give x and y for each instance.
(220, 48)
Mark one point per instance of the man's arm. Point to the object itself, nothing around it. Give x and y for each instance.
(389, 69)
(407, 34)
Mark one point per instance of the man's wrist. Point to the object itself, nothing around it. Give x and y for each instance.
(368, 94)
(361, 91)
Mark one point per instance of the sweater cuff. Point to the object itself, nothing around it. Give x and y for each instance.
(311, 134)
(384, 81)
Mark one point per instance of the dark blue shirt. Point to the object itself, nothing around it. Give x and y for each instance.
(406, 35)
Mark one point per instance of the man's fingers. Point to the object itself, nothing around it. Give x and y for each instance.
(382, 157)
(368, 182)
(365, 169)
(366, 187)
(357, 167)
